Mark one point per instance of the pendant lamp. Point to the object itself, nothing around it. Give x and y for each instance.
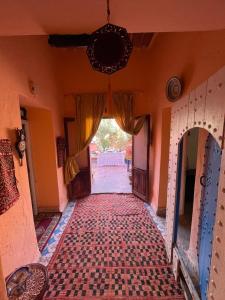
(110, 47)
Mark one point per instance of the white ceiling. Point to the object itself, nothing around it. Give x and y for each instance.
(38, 17)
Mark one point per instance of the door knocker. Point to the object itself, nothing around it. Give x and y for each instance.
(205, 181)
(20, 144)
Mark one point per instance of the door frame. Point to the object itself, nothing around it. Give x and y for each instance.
(30, 168)
(178, 190)
(146, 197)
(82, 170)
(66, 121)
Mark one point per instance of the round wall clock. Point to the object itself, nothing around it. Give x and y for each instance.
(174, 89)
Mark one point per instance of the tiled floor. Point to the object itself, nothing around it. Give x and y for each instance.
(110, 249)
(111, 179)
(54, 240)
(45, 224)
(160, 222)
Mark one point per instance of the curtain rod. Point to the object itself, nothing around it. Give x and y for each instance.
(104, 92)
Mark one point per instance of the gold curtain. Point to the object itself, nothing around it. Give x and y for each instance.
(124, 113)
(89, 112)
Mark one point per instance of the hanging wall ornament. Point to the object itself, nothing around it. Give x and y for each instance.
(110, 47)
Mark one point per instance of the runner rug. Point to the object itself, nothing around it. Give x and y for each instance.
(111, 249)
(45, 223)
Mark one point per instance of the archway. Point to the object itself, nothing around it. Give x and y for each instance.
(198, 169)
(110, 159)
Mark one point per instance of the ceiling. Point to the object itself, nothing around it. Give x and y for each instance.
(32, 17)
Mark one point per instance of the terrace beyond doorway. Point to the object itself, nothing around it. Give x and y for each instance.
(111, 159)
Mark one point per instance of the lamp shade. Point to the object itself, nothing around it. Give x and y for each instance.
(109, 49)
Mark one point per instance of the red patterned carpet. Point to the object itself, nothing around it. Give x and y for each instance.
(111, 249)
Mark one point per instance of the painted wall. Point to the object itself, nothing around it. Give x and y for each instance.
(164, 150)
(20, 59)
(77, 76)
(16, 225)
(43, 150)
(2, 284)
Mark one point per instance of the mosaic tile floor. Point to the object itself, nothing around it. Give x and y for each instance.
(45, 224)
(49, 249)
(160, 222)
(110, 249)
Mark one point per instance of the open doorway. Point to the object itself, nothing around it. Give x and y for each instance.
(111, 159)
(189, 163)
(198, 169)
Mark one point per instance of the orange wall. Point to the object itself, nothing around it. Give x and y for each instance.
(44, 159)
(16, 225)
(165, 143)
(22, 58)
(77, 76)
(2, 284)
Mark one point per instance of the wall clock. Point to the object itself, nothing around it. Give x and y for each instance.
(20, 144)
(174, 88)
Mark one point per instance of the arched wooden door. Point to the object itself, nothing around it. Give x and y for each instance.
(209, 180)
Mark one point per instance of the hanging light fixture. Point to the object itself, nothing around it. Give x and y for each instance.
(110, 47)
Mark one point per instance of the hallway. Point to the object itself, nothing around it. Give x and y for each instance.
(111, 249)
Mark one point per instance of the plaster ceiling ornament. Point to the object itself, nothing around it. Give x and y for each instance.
(174, 88)
(110, 47)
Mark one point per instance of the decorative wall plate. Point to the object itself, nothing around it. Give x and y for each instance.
(174, 89)
(110, 49)
(27, 282)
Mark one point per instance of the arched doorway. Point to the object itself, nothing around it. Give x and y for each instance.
(198, 169)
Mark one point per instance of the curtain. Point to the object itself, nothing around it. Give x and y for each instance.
(124, 113)
(89, 112)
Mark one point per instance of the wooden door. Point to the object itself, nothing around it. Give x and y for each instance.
(209, 182)
(81, 186)
(140, 170)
